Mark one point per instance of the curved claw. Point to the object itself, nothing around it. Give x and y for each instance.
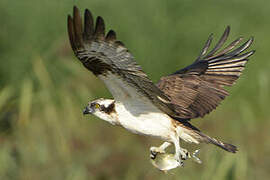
(156, 150)
(185, 154)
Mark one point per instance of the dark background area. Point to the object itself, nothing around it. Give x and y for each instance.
(43, 89)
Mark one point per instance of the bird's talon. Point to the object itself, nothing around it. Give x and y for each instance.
(185, 154)
(153, 156)
(180, 161)
(154, 151)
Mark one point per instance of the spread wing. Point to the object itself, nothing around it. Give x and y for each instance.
(199, 88)
(110, 60)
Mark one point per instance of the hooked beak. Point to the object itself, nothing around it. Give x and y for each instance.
(88, 110)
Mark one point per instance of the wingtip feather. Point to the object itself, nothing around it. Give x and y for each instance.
(220, 43)
(111, 36)
(77, 27)
(88, 24)
(71, 31)
(100, 28)
(228, 29)
(205, 47)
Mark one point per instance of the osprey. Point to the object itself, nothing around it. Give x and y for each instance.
(161, 110)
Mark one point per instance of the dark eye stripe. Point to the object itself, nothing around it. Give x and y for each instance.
(102, 108)
(109, 109)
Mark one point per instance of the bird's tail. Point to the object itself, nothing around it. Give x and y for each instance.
(191, 134)
(226, 146)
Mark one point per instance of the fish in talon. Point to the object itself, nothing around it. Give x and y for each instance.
(166, 162)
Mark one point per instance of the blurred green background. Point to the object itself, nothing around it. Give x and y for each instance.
(43, 90)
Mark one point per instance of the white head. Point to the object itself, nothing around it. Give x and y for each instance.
(102, 108)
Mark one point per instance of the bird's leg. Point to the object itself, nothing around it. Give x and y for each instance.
(177, 151)
(180, 153)
(161, 149)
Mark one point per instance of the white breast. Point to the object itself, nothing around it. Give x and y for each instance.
(138, 121)
(135, 111)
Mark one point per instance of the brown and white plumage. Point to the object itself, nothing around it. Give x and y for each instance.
(198, 89)
(105, 54)
(162, 110)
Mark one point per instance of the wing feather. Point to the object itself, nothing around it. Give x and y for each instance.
(188, 93)
(220, 42)
(71, 33)
(199, 88)
(104, 55)
(111, 36)
(206, 46)
(88, 24)
(100, 29)
(77, 26)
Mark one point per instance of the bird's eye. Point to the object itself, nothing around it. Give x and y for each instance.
(97, 106)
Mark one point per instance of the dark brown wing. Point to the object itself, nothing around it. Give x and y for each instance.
(98, 52)
(198, 89)
(110, 60)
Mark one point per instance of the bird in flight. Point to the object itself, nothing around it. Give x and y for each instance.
(161, 110)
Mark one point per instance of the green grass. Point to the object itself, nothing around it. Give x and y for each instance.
(43, 89)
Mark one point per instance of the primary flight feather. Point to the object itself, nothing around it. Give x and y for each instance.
(164, 109)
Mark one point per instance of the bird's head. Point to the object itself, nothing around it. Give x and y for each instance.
(102, 108)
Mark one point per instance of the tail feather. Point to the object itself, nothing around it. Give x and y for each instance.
(190, 133)
(226, 146)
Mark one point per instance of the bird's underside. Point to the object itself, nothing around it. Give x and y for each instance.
(191, 92)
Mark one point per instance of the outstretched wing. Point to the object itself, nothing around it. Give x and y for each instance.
(110, 60)
(198, 89)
